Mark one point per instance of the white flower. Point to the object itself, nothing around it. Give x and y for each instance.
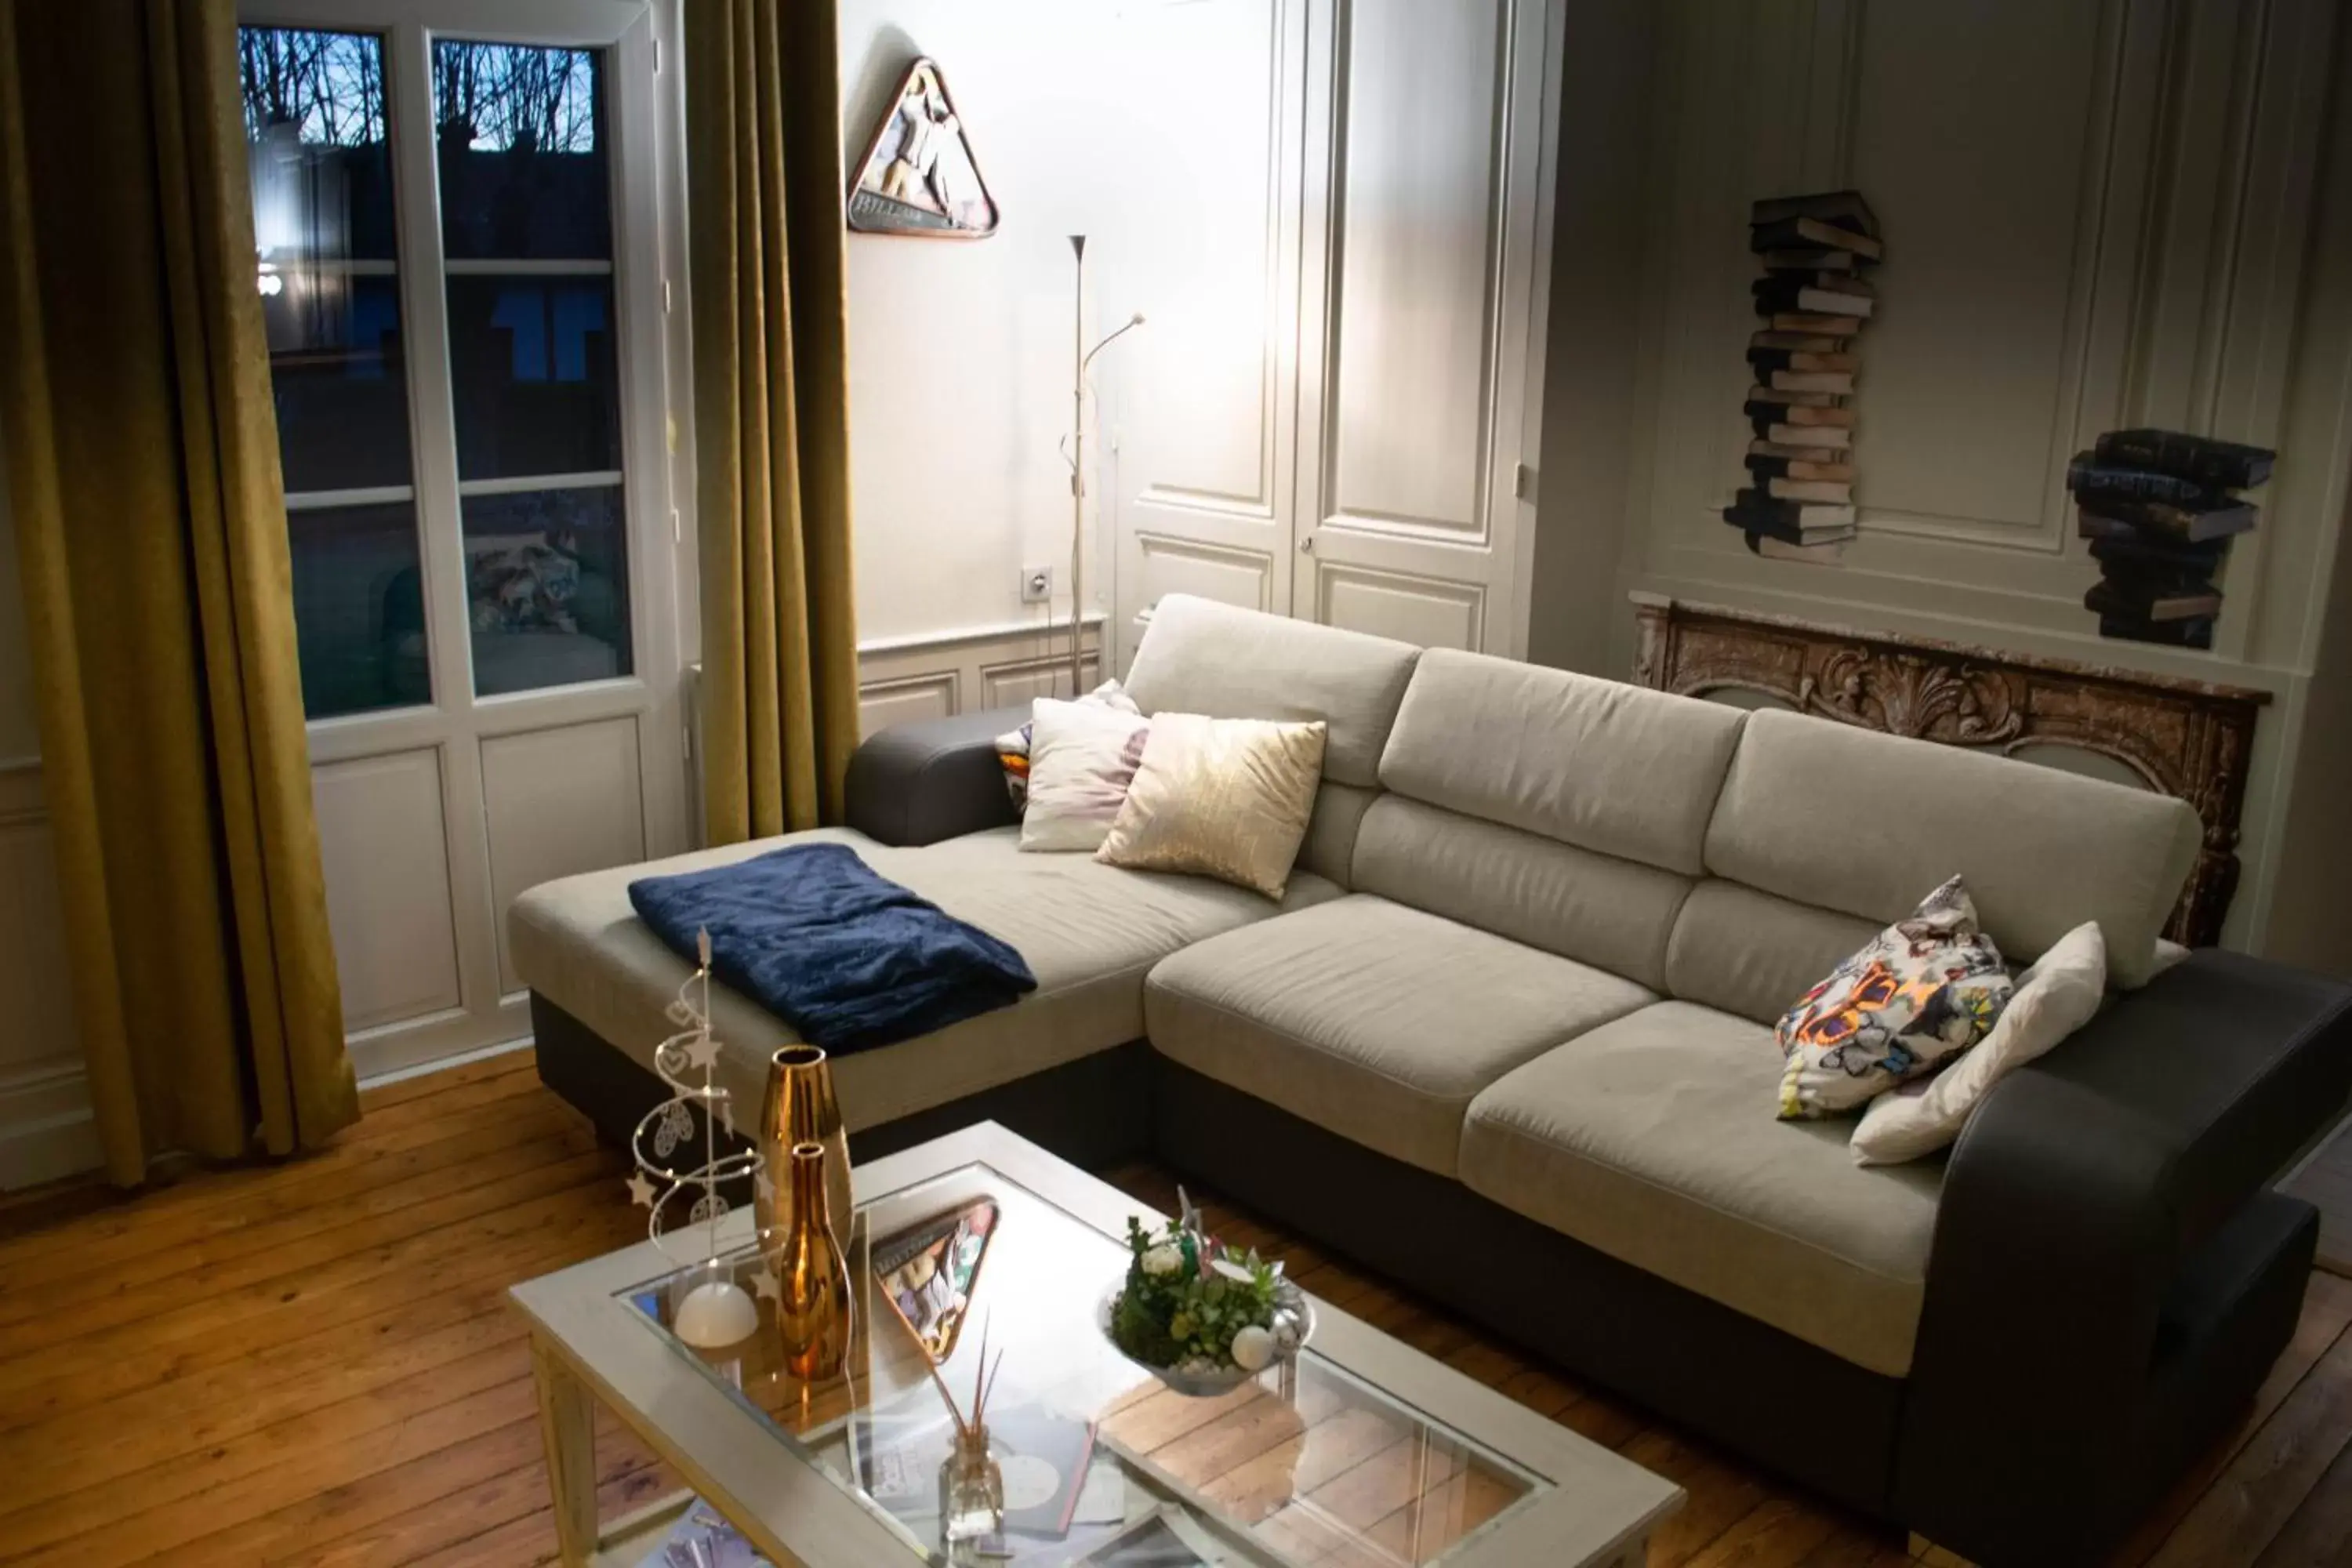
(1253, 1348)
(1163, 1259)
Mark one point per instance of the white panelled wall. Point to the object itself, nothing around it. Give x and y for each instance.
(2097, 213)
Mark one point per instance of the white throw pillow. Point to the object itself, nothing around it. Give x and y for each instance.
(2057, 996)
(1082, 757)
(1013, 746)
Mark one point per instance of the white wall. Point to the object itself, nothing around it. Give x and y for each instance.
(45, 1126)
(2098, 212)
(960, 349)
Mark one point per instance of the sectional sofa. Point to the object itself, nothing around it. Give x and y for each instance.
(1507, 1039)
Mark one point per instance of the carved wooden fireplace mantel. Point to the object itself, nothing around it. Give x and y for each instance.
(2192, 738)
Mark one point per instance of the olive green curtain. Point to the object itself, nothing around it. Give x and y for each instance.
(151, 520)
(771, 413)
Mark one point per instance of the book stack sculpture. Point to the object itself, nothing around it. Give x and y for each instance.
(1814, 299)
(2159, 508)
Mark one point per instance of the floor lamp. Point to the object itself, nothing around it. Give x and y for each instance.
(1081, 356)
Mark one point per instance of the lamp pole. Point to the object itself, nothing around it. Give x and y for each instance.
(1081, 357)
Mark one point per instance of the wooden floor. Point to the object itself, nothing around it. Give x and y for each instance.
(313, 1364)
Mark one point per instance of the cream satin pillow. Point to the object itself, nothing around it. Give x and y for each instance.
(1228, 798)
(2057, 996)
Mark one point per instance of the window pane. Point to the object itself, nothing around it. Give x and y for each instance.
(522, 145)
(323, 230)
(359, 608)
(536, 389)
(546, 578)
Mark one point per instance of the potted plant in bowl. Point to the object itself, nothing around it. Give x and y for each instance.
(1196, 1314)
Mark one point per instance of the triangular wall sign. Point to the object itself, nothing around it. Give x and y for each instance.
(918, 176)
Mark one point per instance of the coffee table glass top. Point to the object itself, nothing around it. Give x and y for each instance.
(1101, 1463)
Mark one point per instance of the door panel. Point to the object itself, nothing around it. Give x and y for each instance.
(1201, 486)
(1412, 274)
(559, 801)
(385, 843)
(1422, 272)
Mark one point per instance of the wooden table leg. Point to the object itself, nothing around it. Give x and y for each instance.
(567, 1425)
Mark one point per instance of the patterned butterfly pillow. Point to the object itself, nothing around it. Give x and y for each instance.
(1916, 995)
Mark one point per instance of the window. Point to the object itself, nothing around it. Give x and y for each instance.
(526, 406)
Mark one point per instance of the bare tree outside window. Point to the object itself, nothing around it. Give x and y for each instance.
(328, 85)
(501, 97)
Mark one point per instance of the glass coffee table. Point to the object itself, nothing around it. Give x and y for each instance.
(1363, 1453)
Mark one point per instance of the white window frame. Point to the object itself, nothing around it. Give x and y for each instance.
(644, 119)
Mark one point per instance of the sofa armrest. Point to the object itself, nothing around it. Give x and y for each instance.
(2078, 1194)
(933, 779)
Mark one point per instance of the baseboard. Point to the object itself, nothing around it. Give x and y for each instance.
(48, 1131)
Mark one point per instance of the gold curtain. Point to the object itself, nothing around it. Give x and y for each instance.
(151, 520)
(771, 413)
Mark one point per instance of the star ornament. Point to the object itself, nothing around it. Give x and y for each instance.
(702, 1052)
(765, 1285)
(641, 1191)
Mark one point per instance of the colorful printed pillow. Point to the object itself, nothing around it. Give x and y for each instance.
(1013, 746)
(2058, 993)
(1082, 757)
(1920, 993)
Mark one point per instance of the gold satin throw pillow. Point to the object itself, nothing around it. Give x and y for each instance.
(1228, 798)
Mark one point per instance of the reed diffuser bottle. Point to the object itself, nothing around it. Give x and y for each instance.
(812, 1309)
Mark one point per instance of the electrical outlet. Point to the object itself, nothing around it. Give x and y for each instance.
(1037, 584)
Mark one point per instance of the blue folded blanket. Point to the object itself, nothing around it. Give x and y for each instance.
(849, 959)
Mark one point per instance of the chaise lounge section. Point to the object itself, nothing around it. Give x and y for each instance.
(1507, 1039)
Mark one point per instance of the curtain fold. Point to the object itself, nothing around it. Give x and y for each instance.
(142, 467)
(771, 414)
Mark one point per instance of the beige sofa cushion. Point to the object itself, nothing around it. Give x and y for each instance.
(1749, 953)
(1868, 823)
(1377, 1021)
(1652, 1139)
(1089, 933)
(1201, 657)
(1595, 909)
(1597, 763)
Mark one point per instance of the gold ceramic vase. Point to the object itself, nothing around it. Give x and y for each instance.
(800, 1109)
(812, 1309)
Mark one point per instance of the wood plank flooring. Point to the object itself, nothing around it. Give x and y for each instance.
(313, 1364)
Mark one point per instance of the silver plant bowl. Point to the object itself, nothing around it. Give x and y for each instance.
(1287, 1298)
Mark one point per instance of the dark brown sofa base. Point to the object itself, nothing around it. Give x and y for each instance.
(1786, 1404)
(1095, 1112)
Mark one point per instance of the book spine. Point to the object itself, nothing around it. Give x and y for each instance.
(2225, 464)
(2091, 479)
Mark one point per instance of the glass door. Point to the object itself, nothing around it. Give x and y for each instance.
(458, 214)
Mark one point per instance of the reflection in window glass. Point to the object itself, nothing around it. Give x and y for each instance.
(318, 153)
(532, 371)
(521, 149)
(547, 581)
(359, 608)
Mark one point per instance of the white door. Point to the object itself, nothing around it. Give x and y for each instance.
(457, 208)
(1429, 131)
(1198, 458)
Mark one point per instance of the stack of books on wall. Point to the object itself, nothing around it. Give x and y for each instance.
(2159, 508)
(1813, 300)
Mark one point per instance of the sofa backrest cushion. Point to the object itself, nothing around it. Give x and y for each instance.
(1867, 823)
(1329, 850)
(1203, 656)
(1612, 913)
(1753, 954)
(1617, 769)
